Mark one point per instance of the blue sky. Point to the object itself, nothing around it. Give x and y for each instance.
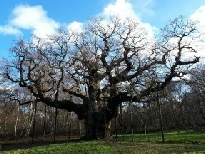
(42, 17)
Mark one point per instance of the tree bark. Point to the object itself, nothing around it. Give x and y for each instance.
(97, 127)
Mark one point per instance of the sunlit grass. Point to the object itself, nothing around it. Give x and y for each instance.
(170, 137)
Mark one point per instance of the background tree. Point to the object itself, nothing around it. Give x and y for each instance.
(195, 98)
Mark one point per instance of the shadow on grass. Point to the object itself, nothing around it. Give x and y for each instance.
(16, 145)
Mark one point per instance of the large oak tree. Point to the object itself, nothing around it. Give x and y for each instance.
(91, 72)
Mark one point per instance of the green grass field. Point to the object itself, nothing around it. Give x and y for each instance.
(176, 142)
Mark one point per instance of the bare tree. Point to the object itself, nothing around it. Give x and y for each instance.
(91, 72)
(195, 98)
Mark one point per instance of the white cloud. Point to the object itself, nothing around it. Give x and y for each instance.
(9, 30)
(33, 18)
(125, 9)
(121, 8)
(199, 15)
(75, 26)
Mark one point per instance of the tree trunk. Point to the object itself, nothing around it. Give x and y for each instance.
(97, 127)
(44, 121)
(17, 120)
(55, 124)
(160, 117)
(34, 122)
(98, 117)
(97, 121)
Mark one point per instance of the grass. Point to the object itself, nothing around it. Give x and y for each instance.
(183, 142)
(170, 137)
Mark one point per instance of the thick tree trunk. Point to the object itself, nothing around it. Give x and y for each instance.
(97, 127)
(95, 119)
(98, 117)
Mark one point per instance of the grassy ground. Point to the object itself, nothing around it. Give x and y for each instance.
(170, 137)
(176, 142)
